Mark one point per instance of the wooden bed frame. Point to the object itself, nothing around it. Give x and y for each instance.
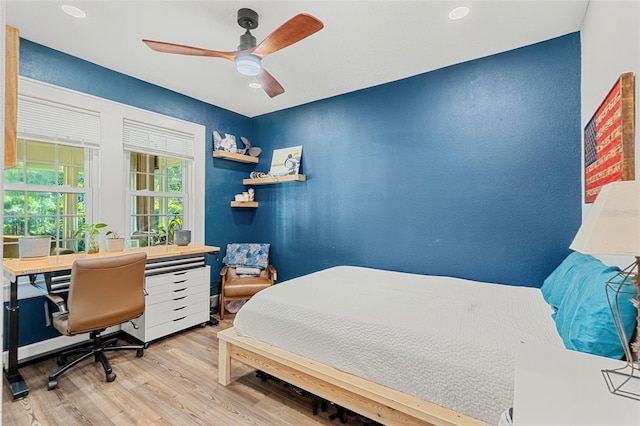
(379, 403)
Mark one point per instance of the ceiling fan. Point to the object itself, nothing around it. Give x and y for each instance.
(248, 57)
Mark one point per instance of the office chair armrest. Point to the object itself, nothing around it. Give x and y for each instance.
(59, 302)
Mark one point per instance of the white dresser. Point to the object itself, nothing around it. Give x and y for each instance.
(175, 301)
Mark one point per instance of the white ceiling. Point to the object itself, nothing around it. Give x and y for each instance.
(363, 43)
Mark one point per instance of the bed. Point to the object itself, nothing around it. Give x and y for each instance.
(395, 347)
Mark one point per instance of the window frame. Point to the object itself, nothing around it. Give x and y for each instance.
(187, 188)
(91, 165)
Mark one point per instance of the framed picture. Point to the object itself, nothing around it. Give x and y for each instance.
(286, 161)
(609, 146)
(224, 143)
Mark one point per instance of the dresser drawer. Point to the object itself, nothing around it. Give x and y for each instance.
(175, 291)
(174, 301)
(174, 308)
(180, 323)
(160, 280)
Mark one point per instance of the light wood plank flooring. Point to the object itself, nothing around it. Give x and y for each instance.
(175, 383)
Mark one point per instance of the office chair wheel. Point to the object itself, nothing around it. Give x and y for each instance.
(53, 384)
(111, 377)
(61, 360)
(139, 353)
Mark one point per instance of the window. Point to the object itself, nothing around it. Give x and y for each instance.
(85, 159)
(157, 197)
(160, 164)
(45, 195)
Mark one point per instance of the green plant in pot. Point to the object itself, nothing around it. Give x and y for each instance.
(174, 225)
(90, 231)
(177, 235)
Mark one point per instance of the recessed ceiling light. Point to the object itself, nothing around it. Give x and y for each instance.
(73, 11)
(255, 85)
(458, 13)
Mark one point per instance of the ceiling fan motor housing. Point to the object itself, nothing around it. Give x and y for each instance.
(247, 19)
(247, 41)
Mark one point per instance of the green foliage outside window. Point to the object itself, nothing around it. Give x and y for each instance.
(43, 194)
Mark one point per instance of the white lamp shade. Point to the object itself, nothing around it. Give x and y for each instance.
(613, 224)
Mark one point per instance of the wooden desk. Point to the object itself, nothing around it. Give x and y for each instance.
(15, 268)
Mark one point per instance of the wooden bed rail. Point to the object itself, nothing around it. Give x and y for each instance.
(379, 403)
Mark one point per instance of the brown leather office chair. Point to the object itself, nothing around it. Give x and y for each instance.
(103, 292)
(242, 286)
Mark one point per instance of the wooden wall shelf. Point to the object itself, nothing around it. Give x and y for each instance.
(246, 204)
(234, 156)
(271, 180)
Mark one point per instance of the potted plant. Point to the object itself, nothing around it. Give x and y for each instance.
(89, 232)
(177, 235)
(114, 241)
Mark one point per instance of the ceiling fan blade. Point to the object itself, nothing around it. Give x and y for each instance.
(269, 84)
(292, 31)
(161, 46)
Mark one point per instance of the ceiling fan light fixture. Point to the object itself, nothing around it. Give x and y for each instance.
(248, 65)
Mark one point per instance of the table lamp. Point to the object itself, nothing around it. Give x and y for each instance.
(613, 228)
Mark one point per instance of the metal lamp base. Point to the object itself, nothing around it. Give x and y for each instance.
(623, 381)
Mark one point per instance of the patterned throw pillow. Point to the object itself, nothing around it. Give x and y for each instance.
(248, 255)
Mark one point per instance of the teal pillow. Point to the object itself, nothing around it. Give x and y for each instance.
(559, 282)
(584, 320)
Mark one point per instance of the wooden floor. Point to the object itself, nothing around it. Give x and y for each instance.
(175, 382)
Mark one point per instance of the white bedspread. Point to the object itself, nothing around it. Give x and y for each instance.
(445, 340)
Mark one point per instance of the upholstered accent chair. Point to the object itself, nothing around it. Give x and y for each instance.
(246, 271)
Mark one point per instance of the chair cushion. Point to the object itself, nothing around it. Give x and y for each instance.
(248, 286)
(254, 255)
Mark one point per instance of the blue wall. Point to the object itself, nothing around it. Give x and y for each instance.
(471, 171)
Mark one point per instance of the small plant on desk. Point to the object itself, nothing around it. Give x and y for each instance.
(114, 241)
(90, 232)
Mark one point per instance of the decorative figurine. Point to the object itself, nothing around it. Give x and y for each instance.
(252, 151)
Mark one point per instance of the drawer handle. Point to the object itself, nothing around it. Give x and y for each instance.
(180, 289)
(179, 282)
(179, 319)
(177, 309)
(180, 298)
(180, 273)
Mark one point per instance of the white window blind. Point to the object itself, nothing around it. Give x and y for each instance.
(155, 140)
(48, 121)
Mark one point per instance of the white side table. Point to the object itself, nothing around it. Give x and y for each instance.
(555, 386)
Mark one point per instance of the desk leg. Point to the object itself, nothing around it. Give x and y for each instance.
(17, 384)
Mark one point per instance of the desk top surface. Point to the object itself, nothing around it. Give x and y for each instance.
(37, 265)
